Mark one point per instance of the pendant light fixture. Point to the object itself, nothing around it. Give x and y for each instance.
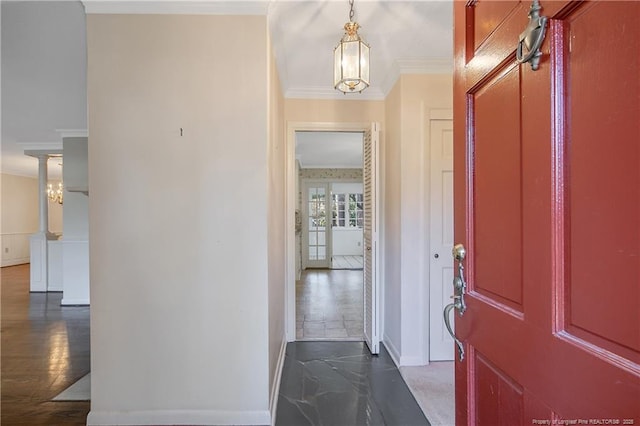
(351, 59)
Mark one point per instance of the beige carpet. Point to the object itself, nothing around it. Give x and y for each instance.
(432, 386)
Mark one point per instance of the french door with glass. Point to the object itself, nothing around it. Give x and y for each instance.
(316, 241)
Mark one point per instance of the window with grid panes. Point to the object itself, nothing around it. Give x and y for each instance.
(348, 210)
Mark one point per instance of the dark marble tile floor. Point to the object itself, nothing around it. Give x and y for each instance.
(45, 349)
(342, 384)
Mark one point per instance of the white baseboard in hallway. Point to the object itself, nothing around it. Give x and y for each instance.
(433, 387)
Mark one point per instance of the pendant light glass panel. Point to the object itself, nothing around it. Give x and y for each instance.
(351, 65)
(364, 63)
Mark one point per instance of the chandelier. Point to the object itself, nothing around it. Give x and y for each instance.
(351, 59)
(55, 195)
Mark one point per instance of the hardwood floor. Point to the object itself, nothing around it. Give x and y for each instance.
(329, 305)
(45, 349)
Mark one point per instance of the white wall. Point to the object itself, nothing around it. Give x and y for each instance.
(390, 224)
(19, 217)
(346, 241)
(180, 272)
(75, 261)
(346, 187)
(276, 232)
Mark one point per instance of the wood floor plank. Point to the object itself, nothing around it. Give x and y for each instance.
(45, 349)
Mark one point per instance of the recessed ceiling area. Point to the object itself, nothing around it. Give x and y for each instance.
(329, 150)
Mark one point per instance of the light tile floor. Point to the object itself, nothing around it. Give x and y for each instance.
(329, 305)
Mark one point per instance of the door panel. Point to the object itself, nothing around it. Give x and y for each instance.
(497, 186)
(488, 16)
(603, 202)
(501, 400)
(547, 196)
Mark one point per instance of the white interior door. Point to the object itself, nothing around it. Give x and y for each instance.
(441, 237)
(316, 237)
(370, 235)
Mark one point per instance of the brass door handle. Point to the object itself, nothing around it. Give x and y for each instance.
(459, 284)
(459, 290)
(447, 324)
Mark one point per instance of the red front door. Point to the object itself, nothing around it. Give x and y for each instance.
(547, 200)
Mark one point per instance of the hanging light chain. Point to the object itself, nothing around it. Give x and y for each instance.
(351, 59)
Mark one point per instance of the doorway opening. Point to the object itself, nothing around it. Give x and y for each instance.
(329, 236)
(371, 265)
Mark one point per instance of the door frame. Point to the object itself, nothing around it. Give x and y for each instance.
(291, 205)
(434, 115)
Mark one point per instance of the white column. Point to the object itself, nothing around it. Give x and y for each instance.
(43, 199)
(39, 240)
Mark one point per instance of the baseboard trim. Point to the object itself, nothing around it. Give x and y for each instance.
(412, 361)
(74, 302)
(399, 360)
(275, 389)
(393, 351)
(178, 417)
(15, 262)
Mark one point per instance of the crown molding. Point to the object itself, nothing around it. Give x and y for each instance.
(43, 152)
(72, 133)
(370, 94)
(404, 66)
(176, 7)
(52, 146)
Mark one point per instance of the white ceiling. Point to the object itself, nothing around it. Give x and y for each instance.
(44, 55)
(405, 36)
(329, 150)
(43, 79)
